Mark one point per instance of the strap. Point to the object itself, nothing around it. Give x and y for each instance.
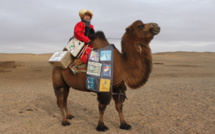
(82, 51)
(120, 93)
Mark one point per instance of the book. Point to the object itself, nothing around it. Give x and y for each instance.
(90, 83)
(106, 70)
(94, 55)
(104, 85)
(105, 55)
(94, 68)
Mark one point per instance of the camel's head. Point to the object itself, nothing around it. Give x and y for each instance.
(144, 31)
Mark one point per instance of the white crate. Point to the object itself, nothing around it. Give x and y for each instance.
(61, 59)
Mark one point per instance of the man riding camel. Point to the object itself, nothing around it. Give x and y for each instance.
(83, 31)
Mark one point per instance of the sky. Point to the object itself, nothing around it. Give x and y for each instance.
(45, 26)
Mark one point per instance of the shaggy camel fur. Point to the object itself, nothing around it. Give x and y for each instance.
(132, 66)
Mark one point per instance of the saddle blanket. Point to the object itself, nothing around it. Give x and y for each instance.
(100, 69)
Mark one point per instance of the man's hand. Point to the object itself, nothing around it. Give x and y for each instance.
(90, 42)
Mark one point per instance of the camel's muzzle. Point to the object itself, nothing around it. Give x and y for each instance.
(155, 29)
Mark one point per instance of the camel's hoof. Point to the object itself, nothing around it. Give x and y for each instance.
(66, 123)
(70, 117)
(102, 128)
(125, 126)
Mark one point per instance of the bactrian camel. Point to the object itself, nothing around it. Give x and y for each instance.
(132, 66)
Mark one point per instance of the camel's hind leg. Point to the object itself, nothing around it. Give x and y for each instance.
(119, 97)
(61, 95)
(61, 91)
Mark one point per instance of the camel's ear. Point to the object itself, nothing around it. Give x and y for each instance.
(129, 29)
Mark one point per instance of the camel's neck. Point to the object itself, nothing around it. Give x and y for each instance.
(137, 61)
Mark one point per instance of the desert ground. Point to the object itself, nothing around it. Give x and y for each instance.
(179, 98)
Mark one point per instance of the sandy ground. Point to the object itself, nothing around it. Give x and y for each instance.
(179, 98)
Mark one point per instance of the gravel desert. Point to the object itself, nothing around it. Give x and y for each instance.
(179, 98)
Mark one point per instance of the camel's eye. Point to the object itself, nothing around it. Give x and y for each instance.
(140, 27)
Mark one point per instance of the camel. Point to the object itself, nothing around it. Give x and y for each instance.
(132, 67)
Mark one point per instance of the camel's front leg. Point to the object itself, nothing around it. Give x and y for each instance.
(119, 97)
(104, 99)
(123, 124)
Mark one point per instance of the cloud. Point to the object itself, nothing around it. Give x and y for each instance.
(49, 24)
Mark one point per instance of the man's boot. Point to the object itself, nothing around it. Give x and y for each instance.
(75, 65)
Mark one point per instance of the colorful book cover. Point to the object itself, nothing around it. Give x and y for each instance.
(90, 83)
(94, 68)
(106, 70)
(94, 55)
(104, 85)
(105, 55)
